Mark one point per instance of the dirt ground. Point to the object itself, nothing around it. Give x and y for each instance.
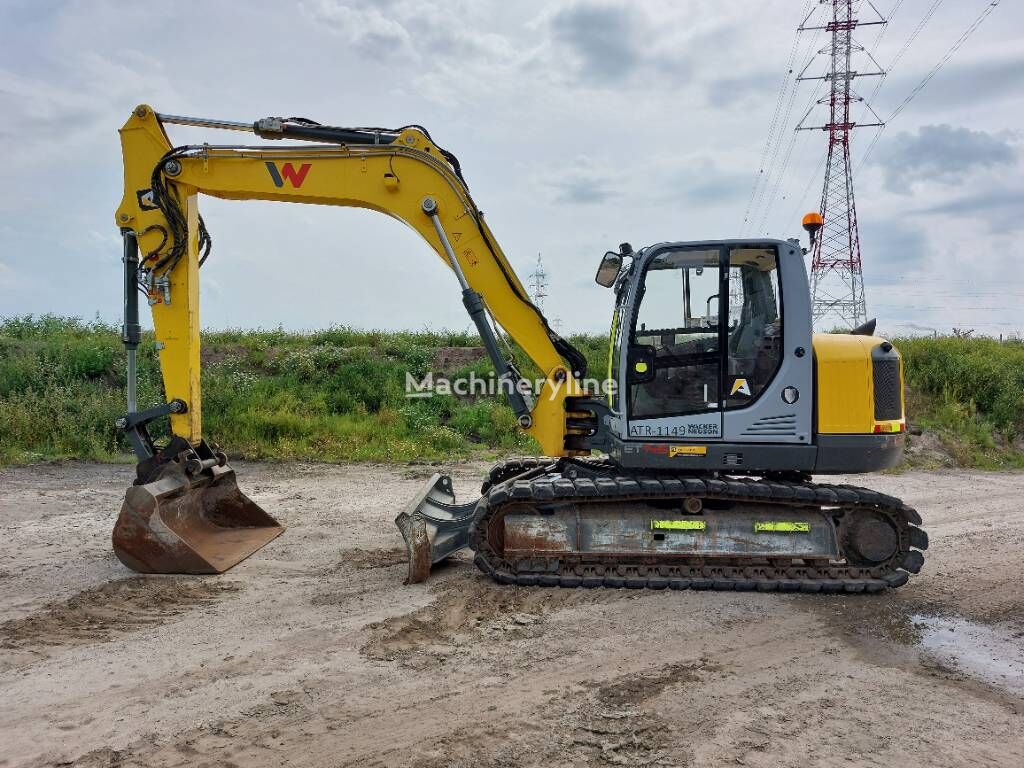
(313, 652)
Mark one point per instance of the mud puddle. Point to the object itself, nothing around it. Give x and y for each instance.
(986, 653)
(992, 654)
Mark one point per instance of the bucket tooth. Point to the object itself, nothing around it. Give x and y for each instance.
(190, 523)
(434, 526)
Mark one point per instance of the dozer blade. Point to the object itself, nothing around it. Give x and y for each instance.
(434, 526)
(182, 523)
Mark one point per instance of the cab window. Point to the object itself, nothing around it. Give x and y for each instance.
(675, 348)
(755, 324)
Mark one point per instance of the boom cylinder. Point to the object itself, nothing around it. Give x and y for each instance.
(131, 330)
(474, 304)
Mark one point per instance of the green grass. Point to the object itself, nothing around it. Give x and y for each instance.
(339, 394)
(970, 392)
(331, 395)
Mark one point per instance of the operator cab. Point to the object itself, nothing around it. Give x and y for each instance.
(703, 348)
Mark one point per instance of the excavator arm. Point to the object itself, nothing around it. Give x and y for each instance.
(185, 512)
(400, 173)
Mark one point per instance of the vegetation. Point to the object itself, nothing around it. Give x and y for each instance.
(332, 395)
(970, 393)
(339, 394)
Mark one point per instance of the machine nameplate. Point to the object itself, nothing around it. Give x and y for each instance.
(705, 429)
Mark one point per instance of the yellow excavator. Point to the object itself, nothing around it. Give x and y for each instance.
(692, 471)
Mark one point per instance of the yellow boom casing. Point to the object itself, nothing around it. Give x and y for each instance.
(845, 387)
(393, 179)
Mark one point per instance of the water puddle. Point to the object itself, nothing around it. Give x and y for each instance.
(986, 653)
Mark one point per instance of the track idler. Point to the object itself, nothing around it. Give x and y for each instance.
(187, 515)
(434, 526)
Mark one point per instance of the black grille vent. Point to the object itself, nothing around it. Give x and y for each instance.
(733, 460)
(888, 400)
(773, 425)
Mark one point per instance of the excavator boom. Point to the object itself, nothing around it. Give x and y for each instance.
(185, 512)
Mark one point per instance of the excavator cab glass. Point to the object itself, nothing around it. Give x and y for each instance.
(674, 348)
(706, 334)
(755, 323)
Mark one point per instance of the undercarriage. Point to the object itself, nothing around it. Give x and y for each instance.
(590, 523)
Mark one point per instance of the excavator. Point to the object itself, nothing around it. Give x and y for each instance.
(692, 471)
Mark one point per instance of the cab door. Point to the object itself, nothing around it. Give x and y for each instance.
(675, 349)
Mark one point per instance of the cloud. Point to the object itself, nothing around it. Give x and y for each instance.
(706, 183)
(580, 123)
(8, 278)
(445, 56)
(583, 188)
(606, 45)
(962, 84)
(890, 249)
(375, 31)
(999, 207)
(79, 103)
(602, 38)
(725, 92)
(941, 153)
(388, 29)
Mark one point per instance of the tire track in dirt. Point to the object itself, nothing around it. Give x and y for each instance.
(608, 723)
(597, 724)
(97, 615)
(479, 609)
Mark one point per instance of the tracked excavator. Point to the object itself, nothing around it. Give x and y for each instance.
(694, 470)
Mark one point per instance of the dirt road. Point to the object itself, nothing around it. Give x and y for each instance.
(313, 653)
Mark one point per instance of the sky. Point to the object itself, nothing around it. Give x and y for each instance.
(579, 125)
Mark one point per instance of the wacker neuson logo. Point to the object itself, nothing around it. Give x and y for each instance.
(287, 172)
(492, 386)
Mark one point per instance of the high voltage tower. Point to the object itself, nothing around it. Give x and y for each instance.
(539, 290)
(837, 277)
(539, 284)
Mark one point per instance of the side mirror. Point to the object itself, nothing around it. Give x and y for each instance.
(608, 269)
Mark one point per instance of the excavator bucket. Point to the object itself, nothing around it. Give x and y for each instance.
(190, 522)
(434, 526)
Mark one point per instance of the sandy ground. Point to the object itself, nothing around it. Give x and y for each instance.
(313, 653)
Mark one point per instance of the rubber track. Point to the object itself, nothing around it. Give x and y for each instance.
(694, 572)
(513, 467)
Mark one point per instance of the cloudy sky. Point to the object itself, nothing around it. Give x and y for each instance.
(579, 124)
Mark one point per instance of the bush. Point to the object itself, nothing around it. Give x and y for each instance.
(984, 375)
(339, 394)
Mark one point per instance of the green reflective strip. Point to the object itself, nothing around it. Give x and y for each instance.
(781, 526)
(678, 525)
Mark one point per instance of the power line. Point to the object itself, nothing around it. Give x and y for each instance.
(948, 55)
(783, 89)
(931, 73)
(778, 176)
(807, 188)
(885, 27)
(895, 60)
(874, 46)
(781, 176)
(910, 40)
